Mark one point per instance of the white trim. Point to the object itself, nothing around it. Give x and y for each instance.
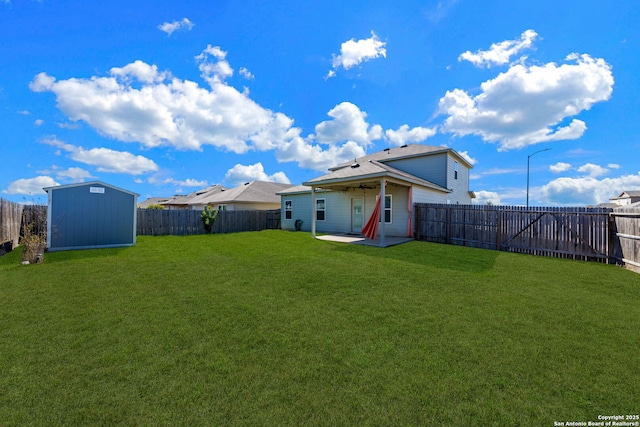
(384, 209)
(289, 210)
(324, 210)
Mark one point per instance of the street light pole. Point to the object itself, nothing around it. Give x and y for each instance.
(528, 158)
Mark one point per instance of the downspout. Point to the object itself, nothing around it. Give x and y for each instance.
(313, 212)
(382, 211)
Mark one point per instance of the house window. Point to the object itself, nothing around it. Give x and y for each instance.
(222, 207)
(288, 209)
(320, 209)
(387, 209)
(455, 170)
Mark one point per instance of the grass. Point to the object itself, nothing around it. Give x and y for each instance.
(276, 328)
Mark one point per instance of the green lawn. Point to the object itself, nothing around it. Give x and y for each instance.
(276, 328)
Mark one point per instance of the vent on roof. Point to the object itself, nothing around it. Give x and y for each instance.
(404, 146)
(247, 183)
(387, 149)
(355, 165)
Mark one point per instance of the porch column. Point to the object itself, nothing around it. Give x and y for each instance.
(313, 211)
(382, 205)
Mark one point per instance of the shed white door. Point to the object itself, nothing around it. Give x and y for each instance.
(357, 214)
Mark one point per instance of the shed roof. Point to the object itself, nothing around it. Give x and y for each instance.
(89, 183)
(251, 192)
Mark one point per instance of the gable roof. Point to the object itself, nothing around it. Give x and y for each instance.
(251, 192)
(627, 194)
(89, 183)
(403, 152)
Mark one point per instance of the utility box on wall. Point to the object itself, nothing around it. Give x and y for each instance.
(90, 215)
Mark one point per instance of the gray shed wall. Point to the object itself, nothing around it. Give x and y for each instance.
(81, 219)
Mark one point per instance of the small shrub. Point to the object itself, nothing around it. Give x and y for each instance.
(34, 243)
(208, 216)
(156, 206)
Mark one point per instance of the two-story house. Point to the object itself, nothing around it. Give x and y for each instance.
(382, 185)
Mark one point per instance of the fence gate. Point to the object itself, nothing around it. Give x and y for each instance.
(576, 233)
(567, 233)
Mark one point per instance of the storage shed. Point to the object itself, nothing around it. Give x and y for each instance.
(90, 215)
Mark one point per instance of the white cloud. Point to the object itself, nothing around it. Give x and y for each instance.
(170, 27)
(348, 124)
(106, 160)
(139, 103)
(246, 173)
(613, 166)
(486, 197)
(246, 73)
(592, 170)
(213, 65)
(500, 53)
(467, 157)
(38, 122)
(585, 190)
(74, 174)
(140, 71)
(560, 167)
(353, 53)
(528, 105)
(404, 135)
(71, 174)
(189, 182)
(30, 186)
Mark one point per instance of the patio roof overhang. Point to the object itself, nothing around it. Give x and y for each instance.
(371, 181)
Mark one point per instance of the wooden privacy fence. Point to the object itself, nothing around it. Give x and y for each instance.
(627, 233)
(14, 217)
(10, 221)
(156, 222)
(575, 233)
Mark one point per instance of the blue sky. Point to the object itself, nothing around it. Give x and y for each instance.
(167, 97)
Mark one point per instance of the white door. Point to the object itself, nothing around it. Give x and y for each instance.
(357, 214)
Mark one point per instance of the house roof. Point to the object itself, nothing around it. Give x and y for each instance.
(89, 183)
(627, 194)
(153, 201)
(297, 189)
(405, 151)
(368, 170)
(185, 199)
(251, 192)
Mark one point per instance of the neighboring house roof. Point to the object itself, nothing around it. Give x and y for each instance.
(627, 195)
(251, 192)
(405, 151)
(184, 200)
(153, 201)
(297, 189)
(369, 169)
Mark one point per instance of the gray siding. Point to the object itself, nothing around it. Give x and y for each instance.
(338, 210)
(82, 219)
(431, 168)
(459, 186)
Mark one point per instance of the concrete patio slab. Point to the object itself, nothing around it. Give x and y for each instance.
(359, 239)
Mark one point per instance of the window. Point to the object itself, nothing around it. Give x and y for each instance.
(320, 209)
(222, 207)
(387, 209)
(455, 170)
(288, 209)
